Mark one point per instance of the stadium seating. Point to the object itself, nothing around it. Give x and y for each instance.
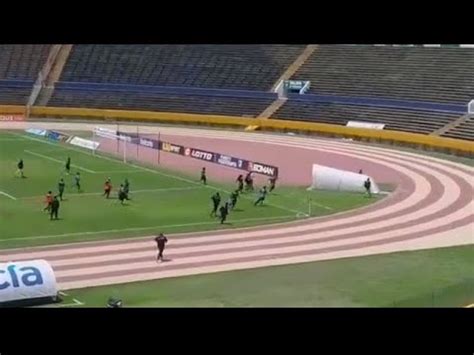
(408, 120)
(464, 131)
(19, 67)
(249, 67)
(412, 73)
(152, 101)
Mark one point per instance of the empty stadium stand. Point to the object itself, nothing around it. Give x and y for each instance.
(464, 131)
(416, 73)
(159, 101)
(19, 67)
(245, 67)
(408, 120)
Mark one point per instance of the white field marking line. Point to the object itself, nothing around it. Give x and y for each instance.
(11, 139)
(58, 161)
(470, 305)
(145, 228)
(159, 173)
(75, 300)
(7, 195)
(129, 171)
(132, 192)
(322, 206)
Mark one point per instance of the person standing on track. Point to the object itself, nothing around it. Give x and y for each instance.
(367, 185)
(61, 186)
(203, 176)
(161, 241)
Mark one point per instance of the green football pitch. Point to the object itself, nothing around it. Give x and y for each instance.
(161, 200)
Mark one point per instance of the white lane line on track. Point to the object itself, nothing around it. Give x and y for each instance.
(131, 192)
(59, 161)
(8, 195)
(163, 174)
(145, 228)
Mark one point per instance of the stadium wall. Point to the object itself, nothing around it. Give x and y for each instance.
(447, 145)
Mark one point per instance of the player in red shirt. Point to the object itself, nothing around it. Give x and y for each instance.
(49, 201)
(107, 188)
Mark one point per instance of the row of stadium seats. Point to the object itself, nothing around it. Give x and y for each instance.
(411, 73)
(419, 121)
(249, 67)
(151, 101)
(22, 62)
(464, 131)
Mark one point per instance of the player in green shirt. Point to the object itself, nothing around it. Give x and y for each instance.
(61, 185)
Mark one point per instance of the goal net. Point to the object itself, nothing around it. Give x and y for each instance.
(126, 145)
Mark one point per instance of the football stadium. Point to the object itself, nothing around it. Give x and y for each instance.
(236, 175)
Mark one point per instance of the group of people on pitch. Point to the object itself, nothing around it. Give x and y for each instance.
(122, 193)
(230, 204)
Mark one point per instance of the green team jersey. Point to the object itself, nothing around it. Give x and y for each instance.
(61, 185)
(77, 178)
(263, 193)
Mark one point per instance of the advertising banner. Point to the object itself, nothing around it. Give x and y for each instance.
(10, 118)
(263, 169)
(57, 136)
(36, 131)
(171, 148)
(200, 154)
(84, 143)
(369, 125)
(25, 280)
(231, 162)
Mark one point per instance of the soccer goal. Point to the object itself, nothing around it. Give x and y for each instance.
(127, 145)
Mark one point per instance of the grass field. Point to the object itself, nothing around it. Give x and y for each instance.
(162, 201)
(429, 278)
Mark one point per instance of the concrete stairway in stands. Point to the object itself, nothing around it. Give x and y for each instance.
(450, 126)
(53, 75)
(299, 61)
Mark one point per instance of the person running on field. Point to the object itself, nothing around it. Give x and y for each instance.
(240, 183)
(367, 185)
(249, 182)
(77, 181)
(54, 208)
(49, 201)
(233, 198)
(126, 188)
(20, 167)
(224, 212)
(61, 186)
(216, 200)
(272, 183)
(161, 241)
(107, 188)
(122, 195)
(203, 176)
(261, 196)
(68, 165)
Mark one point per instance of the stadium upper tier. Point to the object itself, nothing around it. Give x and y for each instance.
(22, 61)
(245, 67)
(418, 73)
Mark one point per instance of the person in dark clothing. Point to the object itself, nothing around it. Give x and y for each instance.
(126, 188)
(216, 200)
(249, 182)
(367, 185)
(54, 208)
(261, 196)
(68, 165)
(203, 176)
(224, 212)
(122, 195)
(161, 241)
(233, 198)
(20, 167)
(240, 182)
(61, 186)
(272, 183)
